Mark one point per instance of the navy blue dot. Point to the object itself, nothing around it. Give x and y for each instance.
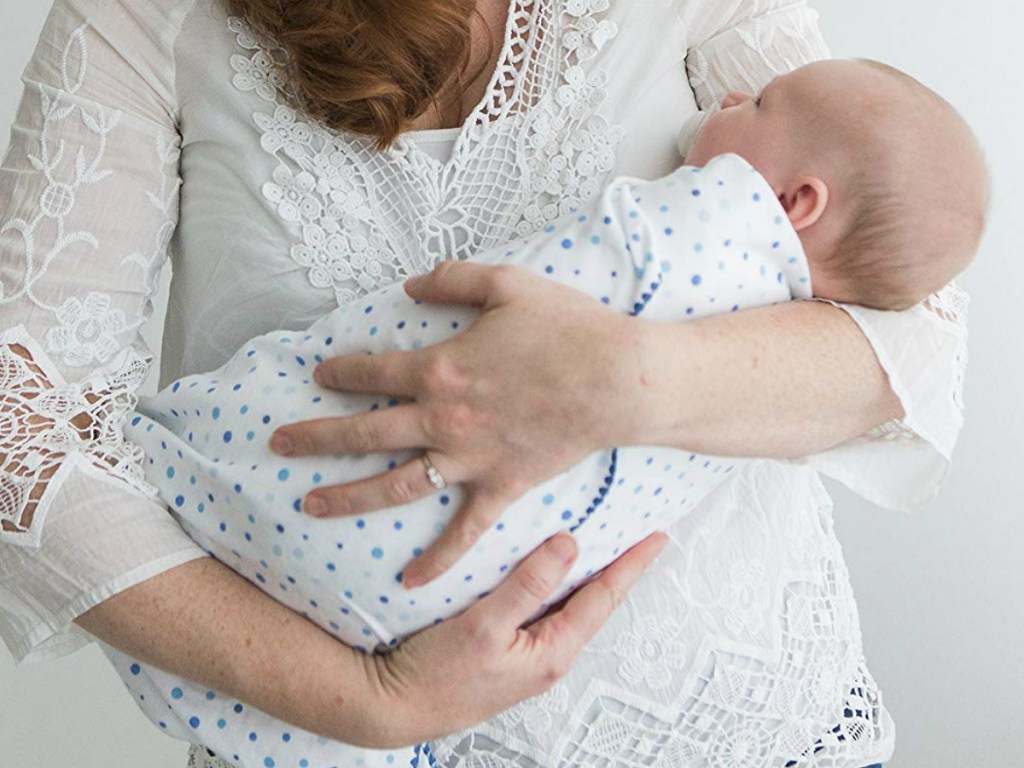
(135, 669)
(227, 437)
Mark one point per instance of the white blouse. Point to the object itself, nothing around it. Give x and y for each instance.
(158, 128)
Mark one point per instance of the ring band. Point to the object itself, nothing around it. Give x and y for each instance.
(433, 475)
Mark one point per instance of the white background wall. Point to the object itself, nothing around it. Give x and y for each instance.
(941, 594)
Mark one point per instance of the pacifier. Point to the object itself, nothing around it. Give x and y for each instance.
(688, 133)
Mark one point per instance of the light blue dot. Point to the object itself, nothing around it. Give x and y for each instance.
(282, 475)
(249, 436)
(222, 723)
(176, 693)
(548, 499)
(216, 413)
(698, 247)
(595, 239)
(269, 762)
(377, 553)
(170, 472)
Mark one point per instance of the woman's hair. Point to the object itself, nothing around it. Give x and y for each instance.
(367, 66)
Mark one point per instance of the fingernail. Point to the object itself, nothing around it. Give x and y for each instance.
(321, 377)
(282, 445)
(563, 547)
(411, 582)
(314, 506)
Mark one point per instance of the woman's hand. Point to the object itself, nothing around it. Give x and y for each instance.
(481, 662)
(534, 386)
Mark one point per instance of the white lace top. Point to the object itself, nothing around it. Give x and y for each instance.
(157, 128)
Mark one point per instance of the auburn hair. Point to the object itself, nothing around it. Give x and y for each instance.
(367, 66)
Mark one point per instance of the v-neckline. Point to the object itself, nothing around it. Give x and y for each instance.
(481, 112)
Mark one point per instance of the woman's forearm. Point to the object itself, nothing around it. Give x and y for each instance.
(206, 623)
(781, 381)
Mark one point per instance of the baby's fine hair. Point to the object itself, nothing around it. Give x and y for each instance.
(919, 193)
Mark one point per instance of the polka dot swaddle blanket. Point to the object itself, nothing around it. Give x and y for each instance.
(695, 243)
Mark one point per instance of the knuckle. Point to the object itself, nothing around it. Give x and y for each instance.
(455, 419)
(401, 491)
(505, 278)
(364, 434)
(468, 532)
(533, 584)
(480, 632)
(442, 376)
(553, 670)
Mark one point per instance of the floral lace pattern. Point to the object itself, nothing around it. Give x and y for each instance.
(47, 424)
(368, 218)
(799, 697)
(51, 424)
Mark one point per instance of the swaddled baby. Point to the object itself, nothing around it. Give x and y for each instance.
(844, 180)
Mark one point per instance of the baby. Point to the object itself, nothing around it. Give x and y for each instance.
(868, 189)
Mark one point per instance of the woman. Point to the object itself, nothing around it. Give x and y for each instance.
(743, 649)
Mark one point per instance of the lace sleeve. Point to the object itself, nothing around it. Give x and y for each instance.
(923, 350)
(88, 203)
(742, 44)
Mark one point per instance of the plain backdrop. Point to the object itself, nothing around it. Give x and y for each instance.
(940, 593)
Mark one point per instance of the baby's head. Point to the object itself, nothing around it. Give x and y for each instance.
(881, 177)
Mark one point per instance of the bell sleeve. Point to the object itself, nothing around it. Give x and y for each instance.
(88, 203)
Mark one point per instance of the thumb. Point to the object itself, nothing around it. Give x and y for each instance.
(458, 282)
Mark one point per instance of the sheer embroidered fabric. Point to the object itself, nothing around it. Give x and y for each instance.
(740, 649)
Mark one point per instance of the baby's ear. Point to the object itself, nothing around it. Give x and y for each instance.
(804, 201)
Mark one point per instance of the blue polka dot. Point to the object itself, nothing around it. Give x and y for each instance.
(210, 695)
(238, 709)
(135, 669)
(282, 475)
(269, 762)
(566, 515)
(757, 197)
(216, 413)
(669, 231)
(567, 243)
(252, 737)
(222, 723)
(695, 279)
(548, 499)
(179, 500)
(549, 269)
(193, 721)
(377, 553)
(227, 437)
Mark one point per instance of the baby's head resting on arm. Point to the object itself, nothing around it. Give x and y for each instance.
(884, 181)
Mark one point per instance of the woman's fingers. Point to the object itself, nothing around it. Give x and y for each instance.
(474, 518)
(463, 282)
(566, 631)
(399, 486)
(519, 597)
(386, 429)
(394, 373)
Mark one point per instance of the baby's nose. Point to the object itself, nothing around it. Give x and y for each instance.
(733, 98)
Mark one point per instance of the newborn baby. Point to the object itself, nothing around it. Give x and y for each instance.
(868, 189)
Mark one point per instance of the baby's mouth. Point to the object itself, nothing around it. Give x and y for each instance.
(689, 132)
